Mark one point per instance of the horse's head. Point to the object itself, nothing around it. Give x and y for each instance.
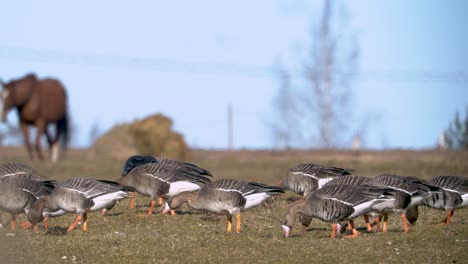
(15, 93)
(6, 100)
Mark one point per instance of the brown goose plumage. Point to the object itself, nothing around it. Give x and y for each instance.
(79, 196)
(454, 194)
(409, 193)
(227, 197)
(158, 180)
(306, 178)
(17, 195)
(17, 169)
(335, 203)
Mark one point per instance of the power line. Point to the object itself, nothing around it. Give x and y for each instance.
(209, 68)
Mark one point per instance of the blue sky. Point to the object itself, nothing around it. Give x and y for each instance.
(124, 60)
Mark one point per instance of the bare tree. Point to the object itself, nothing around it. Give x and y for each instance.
(328, 72)
(323, 100)
(457, 132)
(286, 126)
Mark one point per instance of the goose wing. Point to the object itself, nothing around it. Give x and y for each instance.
(318, 171)
(90, 188)
(350, 179)
(16, 169)
(186, 167)
(451, 183)
(167, 174)
(348, 194)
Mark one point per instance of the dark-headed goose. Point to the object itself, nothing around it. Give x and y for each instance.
(182, 167)
(454, 194)
(335, 203)
(227, 197)
(306, 178)
(79, 196)
(157, 180)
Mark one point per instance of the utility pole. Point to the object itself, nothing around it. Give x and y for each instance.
(230, 128)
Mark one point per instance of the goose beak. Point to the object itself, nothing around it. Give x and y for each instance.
(286, 229)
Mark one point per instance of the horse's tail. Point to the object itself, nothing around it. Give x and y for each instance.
(63, 126)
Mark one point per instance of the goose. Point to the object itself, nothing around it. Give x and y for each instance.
(454, 194)
(305, 178)
(409, 193)
(185, 167)
(227, 197)
(335, 203)
(355, 180)
(17, 169)
(17, 195)
(157, 180)
(78, 196)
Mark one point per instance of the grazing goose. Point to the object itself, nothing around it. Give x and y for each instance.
(354, 180)
(79, 196)
(306, 178)
(157, 180)
(335, 203)
(184, 167)
(17, 195)
(409, 192)
(227, 197)
(454, 194)
(17, 169)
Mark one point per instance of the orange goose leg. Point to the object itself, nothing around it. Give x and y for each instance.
(449, 216)
(132, 200)
(229, 224)
(333, 233)
(405, 222)
(368, 224)
(46, 222)
(25, 225)
(238, 224)
(74, 224)
(153, 204)
(13, 223)
(160, 200)
(85, 221)
(377, 222)
(355, 232)
(385, 223)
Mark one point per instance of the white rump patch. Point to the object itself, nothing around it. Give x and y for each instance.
(362, 209)
(255, 200)
(106, 200)
(465, 201)
(182, 186)
(322, 182)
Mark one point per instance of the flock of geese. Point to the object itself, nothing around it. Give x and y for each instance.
(331, 194)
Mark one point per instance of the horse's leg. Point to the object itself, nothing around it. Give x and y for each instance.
(40, 127)
(27, 142)
(53, 144)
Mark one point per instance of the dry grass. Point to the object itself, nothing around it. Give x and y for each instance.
(197, 238)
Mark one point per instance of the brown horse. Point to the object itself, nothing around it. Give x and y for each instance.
(39, 103)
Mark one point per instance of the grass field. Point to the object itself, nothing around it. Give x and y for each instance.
(195, 237)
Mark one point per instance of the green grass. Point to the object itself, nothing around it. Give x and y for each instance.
(196, 237)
